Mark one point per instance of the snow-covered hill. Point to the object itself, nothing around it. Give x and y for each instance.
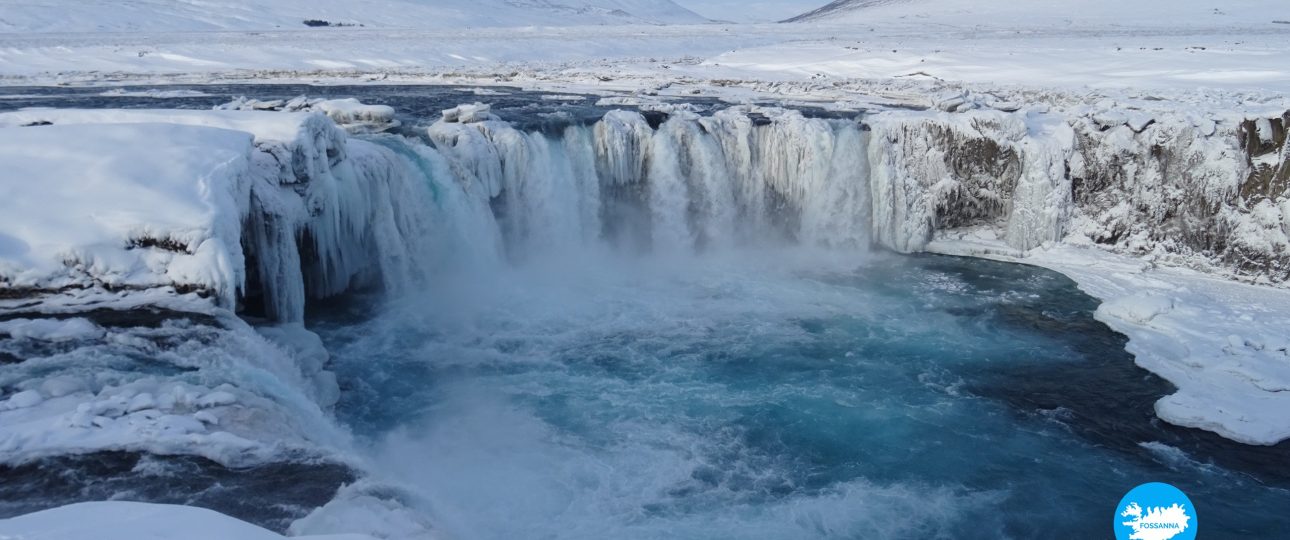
(1055, 13)
(171, 15)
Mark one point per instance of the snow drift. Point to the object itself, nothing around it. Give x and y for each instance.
(311, 211)
(1038, 14)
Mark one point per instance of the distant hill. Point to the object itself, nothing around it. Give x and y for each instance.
(207, 15)
(1047, 13)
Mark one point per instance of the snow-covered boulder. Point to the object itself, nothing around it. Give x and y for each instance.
(117, 520)
(169, 198)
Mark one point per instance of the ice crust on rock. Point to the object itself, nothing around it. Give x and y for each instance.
(280, 184)
(1182, 190)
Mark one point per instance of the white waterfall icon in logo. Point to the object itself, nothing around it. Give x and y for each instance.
(1155, 511)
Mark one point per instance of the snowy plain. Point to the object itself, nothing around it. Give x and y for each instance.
(1222, 343)
(162, 15)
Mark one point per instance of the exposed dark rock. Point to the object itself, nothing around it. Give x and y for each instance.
(271, 495)
(164, 244)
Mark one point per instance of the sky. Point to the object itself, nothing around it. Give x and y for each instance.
(751, 10)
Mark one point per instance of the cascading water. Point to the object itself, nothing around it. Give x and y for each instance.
(686, 336)
(695, 183)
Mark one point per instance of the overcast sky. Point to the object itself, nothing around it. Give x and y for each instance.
(751, 10)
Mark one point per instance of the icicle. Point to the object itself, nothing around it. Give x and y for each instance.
(1041, 202)
(622, 144)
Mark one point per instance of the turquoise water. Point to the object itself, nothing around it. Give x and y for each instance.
(778, 394)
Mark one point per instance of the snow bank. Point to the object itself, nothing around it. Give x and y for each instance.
(134, 521)
(1222, 344)
(123, 206)
(319, 212)
(1185, 190)
(293, 129)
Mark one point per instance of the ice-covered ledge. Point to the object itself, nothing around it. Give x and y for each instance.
(1222, 343)
(127, 206)
(227, 204)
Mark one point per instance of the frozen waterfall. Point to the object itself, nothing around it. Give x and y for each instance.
(322, 212)
(748, 175)
(694, 183)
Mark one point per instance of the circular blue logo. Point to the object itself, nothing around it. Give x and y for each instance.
(1155, 511)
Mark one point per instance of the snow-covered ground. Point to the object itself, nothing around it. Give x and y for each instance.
(164, 15)
(1033, 44)
(1046, 14)
(174, 221)
(137, 521)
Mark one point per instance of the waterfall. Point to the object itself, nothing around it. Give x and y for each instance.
(740, 177)
(475, 190)
(385, 211)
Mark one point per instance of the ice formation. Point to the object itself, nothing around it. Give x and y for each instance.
(1183, 189)
(312, 211)
(348, 113)
(282, 207)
